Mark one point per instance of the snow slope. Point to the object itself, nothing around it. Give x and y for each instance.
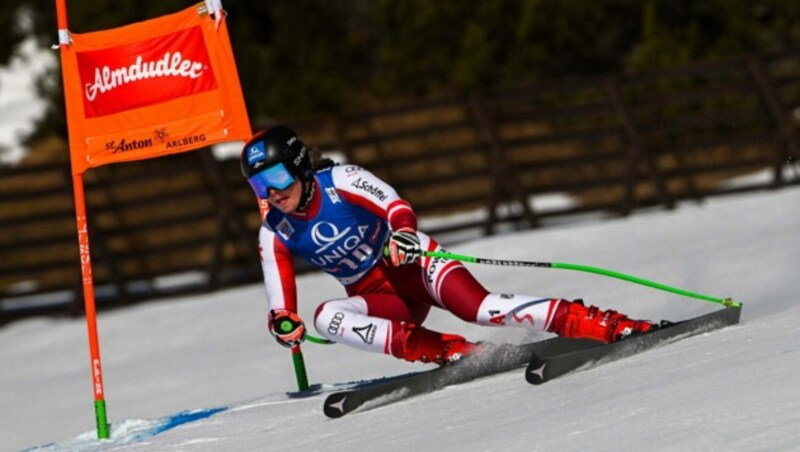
(203, 373)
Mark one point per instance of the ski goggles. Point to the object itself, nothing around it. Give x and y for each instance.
(275, 177)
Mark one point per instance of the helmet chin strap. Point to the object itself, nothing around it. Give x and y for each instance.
(308, 193)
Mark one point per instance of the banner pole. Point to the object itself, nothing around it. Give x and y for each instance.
(61, 14)
(96, 370)
(89, 304)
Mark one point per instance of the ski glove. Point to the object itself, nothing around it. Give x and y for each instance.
(287, 327)
(404, 247)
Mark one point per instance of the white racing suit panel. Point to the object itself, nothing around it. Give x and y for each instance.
(345, 321)
(525, 311)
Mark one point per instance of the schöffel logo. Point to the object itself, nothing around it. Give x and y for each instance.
(367, 187)
(145, 73)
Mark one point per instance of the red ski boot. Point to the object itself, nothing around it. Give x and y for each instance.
(576, 321)
(424, 345)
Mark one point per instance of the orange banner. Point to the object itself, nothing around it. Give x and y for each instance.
(152, 88)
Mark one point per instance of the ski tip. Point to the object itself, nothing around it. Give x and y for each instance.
(334, 405)
(534, 373)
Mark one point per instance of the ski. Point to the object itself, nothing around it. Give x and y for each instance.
(496, 359)
(545, 366)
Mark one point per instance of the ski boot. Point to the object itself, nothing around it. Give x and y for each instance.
(424, 345)
(576, 321)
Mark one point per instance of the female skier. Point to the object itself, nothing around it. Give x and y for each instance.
(341, 218)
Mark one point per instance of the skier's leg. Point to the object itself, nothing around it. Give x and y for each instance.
(527, 311)
(566, 318)
(467, 299)
(384, 323)
(349, 321)
(455, 289)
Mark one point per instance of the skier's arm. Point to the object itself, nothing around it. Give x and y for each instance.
(358, 186)
(278, 269)
(279, 281)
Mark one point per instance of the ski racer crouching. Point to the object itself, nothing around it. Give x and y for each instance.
(340, 218)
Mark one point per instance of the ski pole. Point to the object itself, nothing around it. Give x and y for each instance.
(727, 302)
(318, 340)
(288, 327)
(299, 368)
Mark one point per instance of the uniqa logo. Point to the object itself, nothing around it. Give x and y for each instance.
(323, 240)
(170, 65)
(339, 248)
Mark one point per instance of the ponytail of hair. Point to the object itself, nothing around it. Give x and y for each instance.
(318, 162)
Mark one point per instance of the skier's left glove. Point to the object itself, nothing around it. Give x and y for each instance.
(404, 247)
(287, 327)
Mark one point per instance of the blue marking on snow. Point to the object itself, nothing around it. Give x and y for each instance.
(184, 417)
(129, 431)
(176, 420)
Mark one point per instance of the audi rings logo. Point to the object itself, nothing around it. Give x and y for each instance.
(325, 234)
(336, 323)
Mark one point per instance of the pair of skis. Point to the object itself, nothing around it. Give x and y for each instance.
(545, 361)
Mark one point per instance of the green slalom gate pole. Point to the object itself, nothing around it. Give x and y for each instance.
(727, 302)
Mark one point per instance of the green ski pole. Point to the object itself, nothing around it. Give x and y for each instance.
(727, 302)
(299, 368)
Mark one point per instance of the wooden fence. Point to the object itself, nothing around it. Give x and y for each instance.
(607, 145)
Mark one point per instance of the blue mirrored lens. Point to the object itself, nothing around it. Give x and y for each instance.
(276, 177)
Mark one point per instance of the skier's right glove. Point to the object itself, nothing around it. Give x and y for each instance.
(287, 327)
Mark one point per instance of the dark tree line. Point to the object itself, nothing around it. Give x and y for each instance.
(301, 57)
